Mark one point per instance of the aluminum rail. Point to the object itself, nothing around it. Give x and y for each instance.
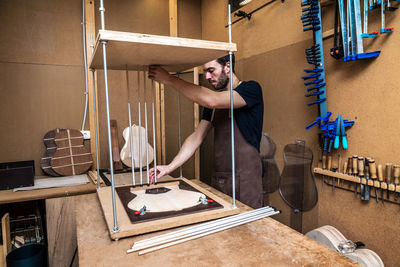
(204, 225)
(254, 218)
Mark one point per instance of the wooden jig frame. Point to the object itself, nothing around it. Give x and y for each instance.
(143, 50)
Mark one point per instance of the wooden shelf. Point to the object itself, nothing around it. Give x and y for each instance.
(356, 179)
(134, 51)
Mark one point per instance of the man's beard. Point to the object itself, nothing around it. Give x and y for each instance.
(222, 82)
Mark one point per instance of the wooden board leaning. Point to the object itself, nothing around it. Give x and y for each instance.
(128, 229)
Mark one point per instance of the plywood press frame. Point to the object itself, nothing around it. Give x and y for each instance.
(128, 229)
(132, 51)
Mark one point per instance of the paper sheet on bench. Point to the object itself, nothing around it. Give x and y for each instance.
(56, 182)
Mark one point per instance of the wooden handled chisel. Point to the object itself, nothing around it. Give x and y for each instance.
(380, 178)
(372, 170)
(388, 178)
(366, 195)
(396, 175)
(360, 166)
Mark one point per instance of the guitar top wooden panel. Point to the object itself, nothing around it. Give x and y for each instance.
(51, 148)
(71, 157)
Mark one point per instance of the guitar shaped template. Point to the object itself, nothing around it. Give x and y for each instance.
(126, 149)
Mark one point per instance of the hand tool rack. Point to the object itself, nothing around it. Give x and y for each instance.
(133, 51)
(357, 180)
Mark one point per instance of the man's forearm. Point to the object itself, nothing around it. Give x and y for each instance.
(201, 95)
(187, 150)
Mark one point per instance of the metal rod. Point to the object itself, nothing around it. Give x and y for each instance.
(131, 145)
(95, 118)
(202, 226)
(147, 129)
(232, 119)
(115, 227)
(146, 142)
(200, 231)
(154, 144)
(179, 129)
(140, 147)
(84, 64)
(208, 233)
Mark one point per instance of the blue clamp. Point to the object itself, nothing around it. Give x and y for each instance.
(141, 212)
(318, 86)
(319, 119)
(315, 75)
(314, 82)
(315, 93)
(369, 35)
(317, 70)
(317, 101)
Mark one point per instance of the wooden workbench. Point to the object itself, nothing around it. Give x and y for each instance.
(60, 217)
(8, 196)
(265, 242)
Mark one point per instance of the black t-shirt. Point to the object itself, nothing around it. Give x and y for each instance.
(249, 118)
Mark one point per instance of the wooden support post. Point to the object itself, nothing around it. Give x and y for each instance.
(91, 38)
(61, 230)
(196, 123)
(5, 231)
(173, 18)
(173, 31)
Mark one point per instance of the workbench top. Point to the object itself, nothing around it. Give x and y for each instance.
(9, 196)
(264, 242)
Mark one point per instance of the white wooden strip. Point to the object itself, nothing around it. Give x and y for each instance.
(197, 232)
(207, 233)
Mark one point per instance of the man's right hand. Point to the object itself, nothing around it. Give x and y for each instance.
(162, 170)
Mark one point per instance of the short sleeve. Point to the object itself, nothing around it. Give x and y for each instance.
(207, 113)
(250, 92)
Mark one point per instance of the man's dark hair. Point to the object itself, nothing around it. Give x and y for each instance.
(224, 59)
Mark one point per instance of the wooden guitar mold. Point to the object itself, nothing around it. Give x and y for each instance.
(126, 150)
(51, 148)
(71, 157)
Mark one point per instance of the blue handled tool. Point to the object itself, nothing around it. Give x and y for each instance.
(343, 132)
(337, 136)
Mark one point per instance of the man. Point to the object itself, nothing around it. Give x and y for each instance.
(248, 115)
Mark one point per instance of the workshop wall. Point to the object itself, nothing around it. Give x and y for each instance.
(41, 74)
(151, 17)
(271, 50)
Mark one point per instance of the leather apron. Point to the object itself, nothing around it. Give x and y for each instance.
(248, 180)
